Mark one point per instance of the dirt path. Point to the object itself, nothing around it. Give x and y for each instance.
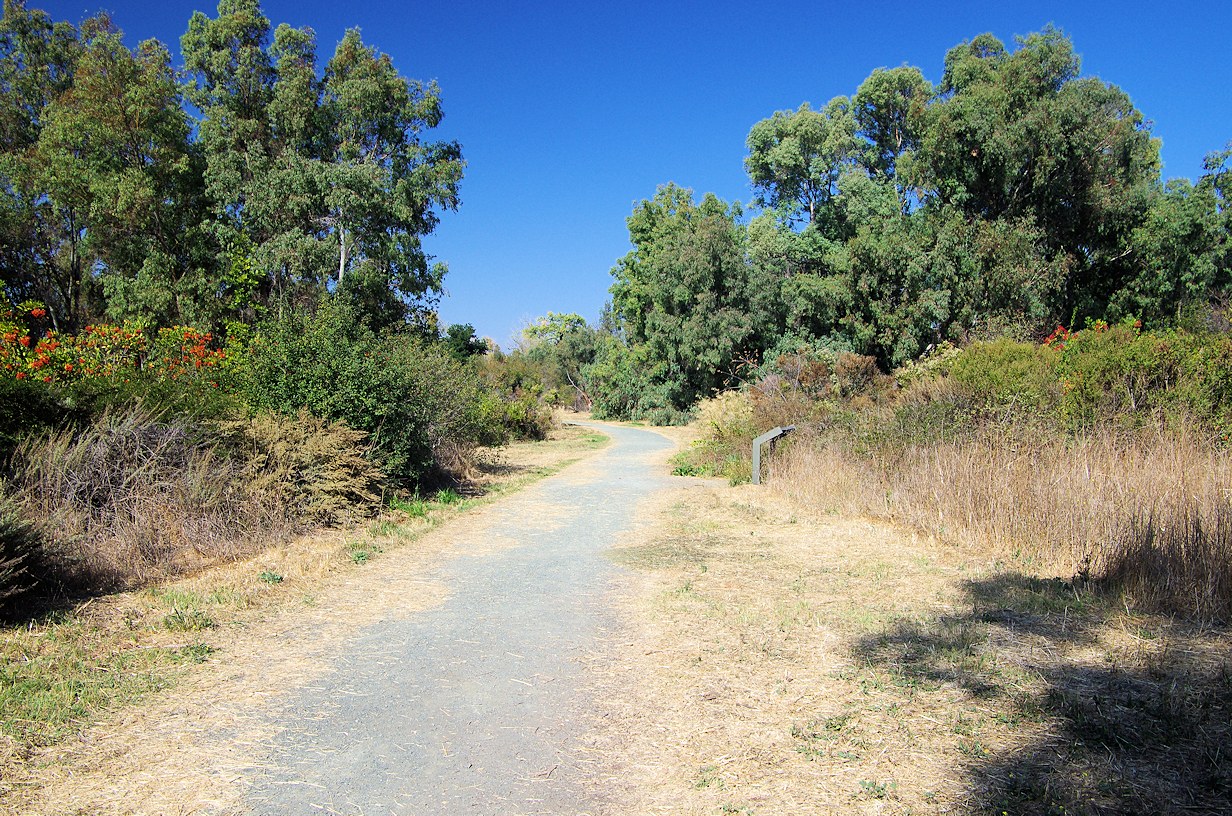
(443, 677)
(473, 706)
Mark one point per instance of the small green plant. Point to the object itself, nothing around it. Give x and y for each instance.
(708, 777)
(197, 652)
(414, 507)
(187, 620)
(448, 496)
(268, 577)
(877, 790)
(360, 556)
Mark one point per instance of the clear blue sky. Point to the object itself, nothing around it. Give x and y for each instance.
(571, 112)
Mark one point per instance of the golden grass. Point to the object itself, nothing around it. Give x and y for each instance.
(1056, 506)
(778, 659)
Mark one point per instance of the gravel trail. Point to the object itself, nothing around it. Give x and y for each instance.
(474, 706)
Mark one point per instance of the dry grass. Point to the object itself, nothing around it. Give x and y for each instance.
(1050, 505)
(134, 498)
(780, 660)
(223, 638)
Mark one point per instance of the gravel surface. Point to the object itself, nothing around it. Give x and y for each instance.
(474, 706)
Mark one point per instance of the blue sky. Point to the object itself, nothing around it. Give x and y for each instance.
(569, 113)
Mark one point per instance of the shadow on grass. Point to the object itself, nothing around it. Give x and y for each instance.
(1150, 733)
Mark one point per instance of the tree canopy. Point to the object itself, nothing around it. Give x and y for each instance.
(261, 177)
(1014, 195)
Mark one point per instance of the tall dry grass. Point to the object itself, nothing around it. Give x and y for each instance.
(1146, 513)
(132, 497)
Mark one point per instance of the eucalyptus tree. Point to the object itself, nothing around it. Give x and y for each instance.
(889, 109)
(318, 178)
(117, 166)
(100, 185)
(37, 57)
(386, 183)
(1022, 136)
(687, 297)
(797, 157)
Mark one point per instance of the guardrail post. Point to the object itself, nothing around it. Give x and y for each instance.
(768, 436)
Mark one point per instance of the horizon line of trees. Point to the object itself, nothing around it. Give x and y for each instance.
(1013, 196)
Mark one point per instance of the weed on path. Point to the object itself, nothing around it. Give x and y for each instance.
(774, 662)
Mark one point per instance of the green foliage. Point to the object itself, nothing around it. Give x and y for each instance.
(422, 409)
(1005, 376)
(461, 341)
(520, 416)
(1014, 196)
(687, 300)
(113, 202)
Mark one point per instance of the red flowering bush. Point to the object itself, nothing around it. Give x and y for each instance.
(104, 351)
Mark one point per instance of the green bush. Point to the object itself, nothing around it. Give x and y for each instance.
(422, 408)
(1202, 365)
(520, 416)
(1006, 376)
(1109, 372)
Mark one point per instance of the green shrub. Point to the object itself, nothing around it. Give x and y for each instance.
(422, 408)
(1006, 376)
(1202, 366)
(520, 416)
(1108, 372)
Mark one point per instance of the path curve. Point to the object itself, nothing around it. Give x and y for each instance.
(474, 706)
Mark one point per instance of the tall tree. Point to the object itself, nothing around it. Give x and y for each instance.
(37, 58)
(386, 182)
(117, 166)
(796, 158)
(687, 294)
(1022, 136)
(889, 110)
(319, 181)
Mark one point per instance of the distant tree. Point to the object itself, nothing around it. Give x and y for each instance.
(687, 296)
(462, 343)
(564, 345)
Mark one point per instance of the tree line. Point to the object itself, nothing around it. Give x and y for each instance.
(1013, 196)
(251, 176)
